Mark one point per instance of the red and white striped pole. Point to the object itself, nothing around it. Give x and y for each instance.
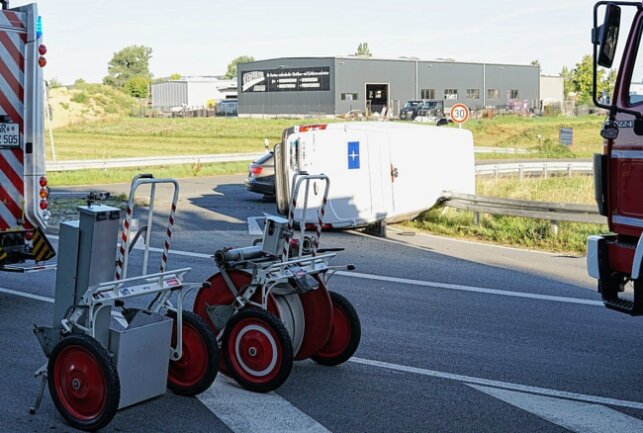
(121, 262)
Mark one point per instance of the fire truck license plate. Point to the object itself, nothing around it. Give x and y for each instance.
(9, 135)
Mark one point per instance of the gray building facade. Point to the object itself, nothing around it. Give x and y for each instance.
(337, 85)
(191, 92)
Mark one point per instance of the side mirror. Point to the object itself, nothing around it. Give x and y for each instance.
(606, 36)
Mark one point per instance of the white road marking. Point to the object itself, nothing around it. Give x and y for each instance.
(27, 295)
(229, 403)
(457, 287)
(253, 225)
(250, 412)
(573, 415)
(421, 283)
(498, 384)
(461, 288)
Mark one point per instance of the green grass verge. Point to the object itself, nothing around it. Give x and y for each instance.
(129, 137)
(514, 231)
(523, 132)
(121, 175)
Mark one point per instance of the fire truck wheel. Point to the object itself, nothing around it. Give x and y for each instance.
(83, 382)
(345, 334)
(257, 350)
(195, 371)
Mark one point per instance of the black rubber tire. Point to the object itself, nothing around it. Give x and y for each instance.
(87, 349)
(275, 327)
(209, 346)
(330, 354)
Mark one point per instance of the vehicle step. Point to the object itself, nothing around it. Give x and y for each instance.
(624, 306)
(26, 269)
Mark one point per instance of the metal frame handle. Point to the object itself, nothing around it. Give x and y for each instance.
(297, 181)
(123, 259)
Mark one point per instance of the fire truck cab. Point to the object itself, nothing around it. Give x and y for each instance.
(23, 185)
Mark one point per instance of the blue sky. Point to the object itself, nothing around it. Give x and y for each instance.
(197, 37)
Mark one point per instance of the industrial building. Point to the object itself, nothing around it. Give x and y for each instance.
(191, 93)
(337, 85)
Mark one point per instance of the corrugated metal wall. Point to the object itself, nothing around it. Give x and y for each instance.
(169, 94)
(406, 78)
(353, 74)
(286, 102)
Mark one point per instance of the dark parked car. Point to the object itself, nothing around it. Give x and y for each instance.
(261, 176)
(432, 111)
(409, 111)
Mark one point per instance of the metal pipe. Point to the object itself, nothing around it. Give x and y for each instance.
(148, 232)
(236, 254)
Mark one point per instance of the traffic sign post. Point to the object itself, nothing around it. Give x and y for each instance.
(459, 114)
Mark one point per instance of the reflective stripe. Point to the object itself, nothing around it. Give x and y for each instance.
(638, 257)
(13, 19)
(634, 222)
(627, 154)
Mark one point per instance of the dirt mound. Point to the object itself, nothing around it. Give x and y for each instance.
(88, 103)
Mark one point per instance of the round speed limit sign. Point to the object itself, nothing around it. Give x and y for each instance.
(459, 113)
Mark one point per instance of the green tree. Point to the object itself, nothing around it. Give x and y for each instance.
(137, 87)
(132, 61)
(567, 81)
(176, 76)
(232, 66)
(579, 80)
(535, 62)
(54, 83)
(363, 50)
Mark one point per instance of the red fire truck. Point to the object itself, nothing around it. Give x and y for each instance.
(23, 185)
(615, 259)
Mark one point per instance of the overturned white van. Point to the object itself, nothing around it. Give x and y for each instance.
(379, 171)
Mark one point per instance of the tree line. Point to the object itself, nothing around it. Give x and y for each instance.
(129, 70)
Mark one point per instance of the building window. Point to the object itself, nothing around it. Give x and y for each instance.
(349, 96)
(473, 93)
(450, 93)
(512, 94)
(493, 93)
(427, 93)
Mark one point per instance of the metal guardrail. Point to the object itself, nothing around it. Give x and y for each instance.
(528, 209)
(502, 150)
(534, 168)
(148, 161)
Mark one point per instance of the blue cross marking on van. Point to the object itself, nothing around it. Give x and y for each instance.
(353, 155)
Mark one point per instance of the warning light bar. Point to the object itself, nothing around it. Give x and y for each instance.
(38, 26)
(307, 128)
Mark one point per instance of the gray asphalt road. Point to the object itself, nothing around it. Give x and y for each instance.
(456, 338)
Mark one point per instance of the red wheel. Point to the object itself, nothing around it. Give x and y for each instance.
(83, 382)
(219, 294)
(257, 350)
(318, 313)
(195, 371)
(345, 335)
